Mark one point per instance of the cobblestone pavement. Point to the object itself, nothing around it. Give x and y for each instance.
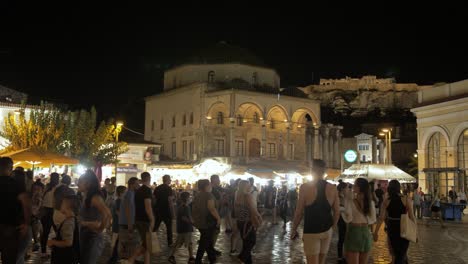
(436, 246)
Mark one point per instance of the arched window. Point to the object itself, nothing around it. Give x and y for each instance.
(240, 120)
(173, 121)
(220, 118)
(272, 123)
(184, 120)
(191, 118)
(256, 119)
(254, 78)
(462, 149)
(211, 77)
(437, 147)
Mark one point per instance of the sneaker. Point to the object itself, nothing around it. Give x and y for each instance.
(233, 253)
(172, 260)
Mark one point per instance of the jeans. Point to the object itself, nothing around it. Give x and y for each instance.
(47, 223)
(23, 246)
(417, 210)
(91, 246)
(8, 243)
(341, 236)
(168, 222)
(249, 238)
(206, 244)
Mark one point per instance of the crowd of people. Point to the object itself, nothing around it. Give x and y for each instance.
(134, 213)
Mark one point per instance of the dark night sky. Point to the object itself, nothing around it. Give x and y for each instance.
(113, 56)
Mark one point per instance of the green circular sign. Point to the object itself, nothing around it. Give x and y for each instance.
(350, 156)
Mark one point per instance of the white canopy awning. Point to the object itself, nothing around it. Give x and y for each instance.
(376, 172)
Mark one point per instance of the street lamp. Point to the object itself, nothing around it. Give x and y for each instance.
(117, 130)
(388, 141)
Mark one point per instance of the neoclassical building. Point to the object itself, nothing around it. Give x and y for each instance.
(225, 102)
(442, 120)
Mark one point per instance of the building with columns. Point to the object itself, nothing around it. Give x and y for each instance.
(225, 102)
(442, 122)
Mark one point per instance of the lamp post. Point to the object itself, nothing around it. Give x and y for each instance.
(117, 130)
(388, 141)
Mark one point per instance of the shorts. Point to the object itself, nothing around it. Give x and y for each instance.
(145, 234)
(319, 243)
(128, 243)
(358, 239)
(183, 239)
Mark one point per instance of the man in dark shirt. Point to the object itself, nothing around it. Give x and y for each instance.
(218, 193)
(164, 207)
(144, 220)
(380, 195)
(10, 234)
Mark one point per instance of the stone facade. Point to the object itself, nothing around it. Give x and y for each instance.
(442, 118)
(200, 117)
(357, 97)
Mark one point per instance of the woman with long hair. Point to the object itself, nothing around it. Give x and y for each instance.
(94, 218)
(248, 219)
(359, 214)
(392, 208)
(47, 211)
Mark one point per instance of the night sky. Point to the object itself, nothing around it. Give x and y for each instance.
(112, 56)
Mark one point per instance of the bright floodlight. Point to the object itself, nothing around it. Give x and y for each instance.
(120, 123)
(382, 134)
(385, 130)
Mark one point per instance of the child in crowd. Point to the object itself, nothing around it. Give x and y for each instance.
(65, 244)
(184, 228)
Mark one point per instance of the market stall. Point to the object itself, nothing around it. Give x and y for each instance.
(378, 172)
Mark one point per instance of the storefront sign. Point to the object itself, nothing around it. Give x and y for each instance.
(127, 170)
(350, 156)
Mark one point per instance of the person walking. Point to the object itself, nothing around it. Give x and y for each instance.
(65, 245)
(218, 193)
(164, 207)
(144, 218)
(342, 191)
(128, 236)
(94, 218)
(392, 208)
(417, 199)
(47, 212)
(36, 203)
(436, 212)
(248, 220)
(282, 204)
(206, 219)
(359, 215)
(184, 229)
(319, 204)
(270, 193)
(119, 191)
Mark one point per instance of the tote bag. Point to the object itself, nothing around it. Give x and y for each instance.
(408, 227)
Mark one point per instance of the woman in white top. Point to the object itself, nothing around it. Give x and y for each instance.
(359, 214)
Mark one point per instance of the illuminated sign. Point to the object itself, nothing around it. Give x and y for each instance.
(350, 156)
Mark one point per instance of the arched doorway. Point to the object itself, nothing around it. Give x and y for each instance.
(254, 148)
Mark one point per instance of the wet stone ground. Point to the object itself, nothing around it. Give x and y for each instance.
(436, 245)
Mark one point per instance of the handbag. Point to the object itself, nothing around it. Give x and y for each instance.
(408, 228)
(155, 246)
